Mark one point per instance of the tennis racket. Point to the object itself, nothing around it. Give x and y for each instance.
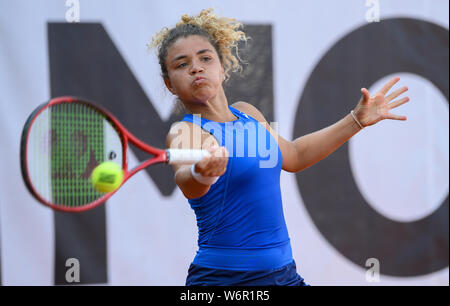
(65, 139)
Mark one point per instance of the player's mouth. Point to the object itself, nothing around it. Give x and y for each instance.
(199, 80)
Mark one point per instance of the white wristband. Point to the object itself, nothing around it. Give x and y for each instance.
(354, 117)
(205, 180)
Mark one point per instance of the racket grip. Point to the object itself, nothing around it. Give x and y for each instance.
(183, 156)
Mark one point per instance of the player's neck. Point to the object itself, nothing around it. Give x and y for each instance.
(215, 109)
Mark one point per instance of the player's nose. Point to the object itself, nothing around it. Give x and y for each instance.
(196, 68)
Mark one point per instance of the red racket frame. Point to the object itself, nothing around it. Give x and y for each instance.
(126, 136)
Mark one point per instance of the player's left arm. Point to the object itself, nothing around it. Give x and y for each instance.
(309, 149)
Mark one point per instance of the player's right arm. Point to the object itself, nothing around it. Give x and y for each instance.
(186, 135)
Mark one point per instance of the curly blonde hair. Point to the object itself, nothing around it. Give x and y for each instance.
(223, 33)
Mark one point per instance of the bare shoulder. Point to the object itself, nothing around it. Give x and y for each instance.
(249, 109)
(186, 135)
(180, 135)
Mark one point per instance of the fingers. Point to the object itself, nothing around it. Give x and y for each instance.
(396, 117)
(396, 93)
(398, 102)
(365, 95)
(215, 164)
(217, 151)
(389, 85)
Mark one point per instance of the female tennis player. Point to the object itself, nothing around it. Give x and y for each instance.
(235, 192)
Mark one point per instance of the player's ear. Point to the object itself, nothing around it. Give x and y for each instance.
(169, 85)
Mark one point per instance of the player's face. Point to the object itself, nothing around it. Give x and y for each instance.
(194, 68)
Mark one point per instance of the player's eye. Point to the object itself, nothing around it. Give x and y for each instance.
(182, 65)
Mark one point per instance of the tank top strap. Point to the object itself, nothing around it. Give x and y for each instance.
(239, 114)
(216, 129)
(197, 119)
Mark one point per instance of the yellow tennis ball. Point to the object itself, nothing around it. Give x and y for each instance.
(107, 176)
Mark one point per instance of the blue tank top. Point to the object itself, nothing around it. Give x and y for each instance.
(240, 219)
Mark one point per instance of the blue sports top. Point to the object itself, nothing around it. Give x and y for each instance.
(240, 219)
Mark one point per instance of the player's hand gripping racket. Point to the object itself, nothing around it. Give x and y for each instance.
(66, 138)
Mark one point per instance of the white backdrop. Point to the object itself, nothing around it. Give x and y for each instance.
(152, 242)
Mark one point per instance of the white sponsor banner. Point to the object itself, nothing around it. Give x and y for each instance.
(151, 239)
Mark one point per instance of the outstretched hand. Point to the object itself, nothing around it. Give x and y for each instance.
(370, 110)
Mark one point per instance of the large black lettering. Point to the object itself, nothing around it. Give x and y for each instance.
(339, 211)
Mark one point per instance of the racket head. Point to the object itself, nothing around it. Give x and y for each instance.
(62, 142)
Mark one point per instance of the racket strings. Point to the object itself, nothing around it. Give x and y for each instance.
(38, 155)
(66, 142)
(76, 149)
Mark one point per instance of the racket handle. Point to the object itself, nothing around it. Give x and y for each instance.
(183, 156)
